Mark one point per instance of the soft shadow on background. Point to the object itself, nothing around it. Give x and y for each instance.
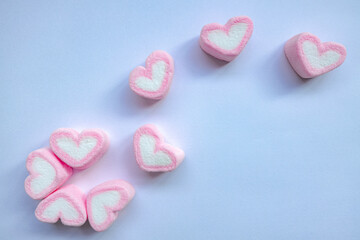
(284, 79)
(193, 59)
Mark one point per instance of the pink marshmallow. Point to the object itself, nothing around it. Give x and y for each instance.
(225, 42)
(155, 79)
(152, 153)
(79, 150)
(105, 201)
(67, 204)
(47, 173)
(309, 57)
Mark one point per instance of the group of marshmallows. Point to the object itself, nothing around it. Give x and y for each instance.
(50, 168)
(306, 53)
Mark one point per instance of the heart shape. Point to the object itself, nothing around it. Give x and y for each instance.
(105, 201)
(310, 57)
(154, 81)
(225, 42)
(152, 153)
(79, 150)
(66, 204)
(47, 173)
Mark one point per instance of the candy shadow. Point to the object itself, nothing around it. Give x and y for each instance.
(190, 57)
(125, 102)
(283, 78)
(61, 229)
(41, 144)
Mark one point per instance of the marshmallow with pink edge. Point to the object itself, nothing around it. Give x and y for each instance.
(66, 204)
(104, 202)
(79, 150)
(152, 153)
(226, 42)
(47, 173)
(154, 80)
(309, 57)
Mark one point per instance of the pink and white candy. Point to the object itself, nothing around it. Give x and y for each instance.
(152, 153)
(79, 150)
(47, 173)
(105, 201)
(225, 42)
(309, 57)
(66, 204)
(154, 80)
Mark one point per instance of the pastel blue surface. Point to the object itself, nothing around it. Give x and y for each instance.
(268, 155)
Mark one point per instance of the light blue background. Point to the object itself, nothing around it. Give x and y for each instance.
(269, 156)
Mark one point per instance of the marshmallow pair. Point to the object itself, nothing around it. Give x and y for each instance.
(100, 206)
(224, 42)
(49, 169)
(305, 52)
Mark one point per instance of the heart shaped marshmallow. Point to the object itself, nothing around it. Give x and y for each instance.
(79, 150)
(154, 81)
(105, 201)
(67, 204)
(225, 42)
(152, 154)
(310, 58)
(47, 173)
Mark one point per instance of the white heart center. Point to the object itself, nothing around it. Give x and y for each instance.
(61, 205)
(80, 151)
(98, 203)
(153, 84)
(46, 175)
(316, 60)
(230, 40)
(147, 150)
